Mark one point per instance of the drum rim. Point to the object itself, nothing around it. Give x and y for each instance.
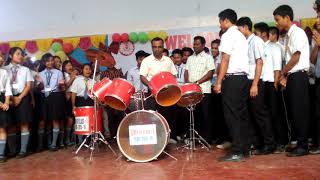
(166, 72)
(118, 98)
(122, 79)
(85, 107)
(99, 90)
(162, 149)
(165, 86)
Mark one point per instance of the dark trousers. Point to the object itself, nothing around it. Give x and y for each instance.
(317, 111)
(204, 119)
(260, 117)
(272, 100)
(298, 102)
(220, 130)
(234, 102)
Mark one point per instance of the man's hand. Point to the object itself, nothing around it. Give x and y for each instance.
(217, 88)
(254, 91)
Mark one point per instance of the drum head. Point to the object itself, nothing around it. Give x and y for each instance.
(115, 102)
(168, 95)
(190, 99)
(134, 147)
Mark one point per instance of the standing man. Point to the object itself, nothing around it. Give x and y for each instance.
(186, 52)
(133, 77)
(199, 69)
(257, 107)
(294, 76)
(232, 82)
(152, 65)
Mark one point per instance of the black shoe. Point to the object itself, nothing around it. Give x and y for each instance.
(280, 149)
(237, 157)
(3, 159)
(52, 149)
(298, 152)
(264, 151)
(21, 155)
(315, 151)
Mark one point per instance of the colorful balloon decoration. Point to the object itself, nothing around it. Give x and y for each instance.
(116, 37)
(56, 47)
(151, 35)
(133, 37)
(143, 37)
(124, 37)
(67, 48)
(62, 55)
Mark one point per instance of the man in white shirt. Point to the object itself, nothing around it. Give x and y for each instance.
(257, 107)
(232, 82)
(199, 69)
(294, 76)
(271, 72)
(152, 65)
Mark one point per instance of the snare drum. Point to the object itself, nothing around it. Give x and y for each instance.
(142, 135)
(100, 89)
(165, 89)
(119, 93)
(85, 122)
(191, 95)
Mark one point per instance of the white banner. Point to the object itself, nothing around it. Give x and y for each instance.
(81, 124)
(142, 134)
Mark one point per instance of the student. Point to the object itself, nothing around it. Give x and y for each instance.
(79, 89)
(1, 60)
(57, 62)
(257, 108)
(232, 82)
(21, 109)
(5, 88)
(186, 52)
(69, 76)
(52, 102)
(294, 77)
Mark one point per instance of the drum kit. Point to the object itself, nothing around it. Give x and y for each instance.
(142, 135)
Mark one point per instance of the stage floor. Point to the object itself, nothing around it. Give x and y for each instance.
(64, 164)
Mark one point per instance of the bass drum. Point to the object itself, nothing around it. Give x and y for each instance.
(142, 135)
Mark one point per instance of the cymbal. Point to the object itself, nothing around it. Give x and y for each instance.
(103, 58)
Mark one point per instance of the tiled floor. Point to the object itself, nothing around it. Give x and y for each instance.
(64, 164)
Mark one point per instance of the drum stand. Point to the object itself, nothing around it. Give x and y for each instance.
(194, 135)
(95, 136)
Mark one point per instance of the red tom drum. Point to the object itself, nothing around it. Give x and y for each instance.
(165, 89)
(118, 94)
(100, 89)
(191, 95)
(85, 122)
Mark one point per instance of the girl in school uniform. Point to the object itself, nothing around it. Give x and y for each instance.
(21, 110)
(52, 102)
(69, 77)
(79, 89)
(5, 94)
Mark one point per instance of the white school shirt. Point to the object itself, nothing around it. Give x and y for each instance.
(51, 85)
(317, 65)
(272, 61)
(297, 41)
(234, 43)
(217, 62)
(5, 85)
(255, 51)
(23, 77)
(199, 65)
(67, 78)
(79, 84)
(151, 66)
(180, 75)
(133, 77)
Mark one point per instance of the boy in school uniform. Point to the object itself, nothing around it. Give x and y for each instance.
(5, 94)
(232, 82)
(21, 109)
(294, 77)
(52, 101)
(257, 108)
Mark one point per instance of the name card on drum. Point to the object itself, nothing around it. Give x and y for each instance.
(142, 134)
(82, 123)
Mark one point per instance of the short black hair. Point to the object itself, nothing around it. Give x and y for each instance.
(201, 39)
(46, 57)
(166, 51)
(274, 30)
(206, 50)
(84, 65)
(216, 41)
(157, 39)
(177, 51)
(262, 27)
(284, 10)
(229, 14)
(141, 53)
(245, 21)
(221, 33)
(187, 49)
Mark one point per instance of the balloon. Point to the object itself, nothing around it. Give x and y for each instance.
(124, 37)
(296, 23)
(143, 37)
(116, 37)
(56, 47)
(163, 35)
(67, 48)
(62, 55)
(31, 46)
(133, 37)
(151, 35)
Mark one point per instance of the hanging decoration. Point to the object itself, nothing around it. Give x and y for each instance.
(97, 39)
(58, 41)
(143, 37)
(116, 37)
(44, 44)
(124, 37)
(133, 37)
(85, 43)
(73, 40)
(68, 48)
(62, 55)
(163, 35)
(151, 35)
(126, 48)
(31, 47)
(4, 48)
(20, 44)
(56, 47)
